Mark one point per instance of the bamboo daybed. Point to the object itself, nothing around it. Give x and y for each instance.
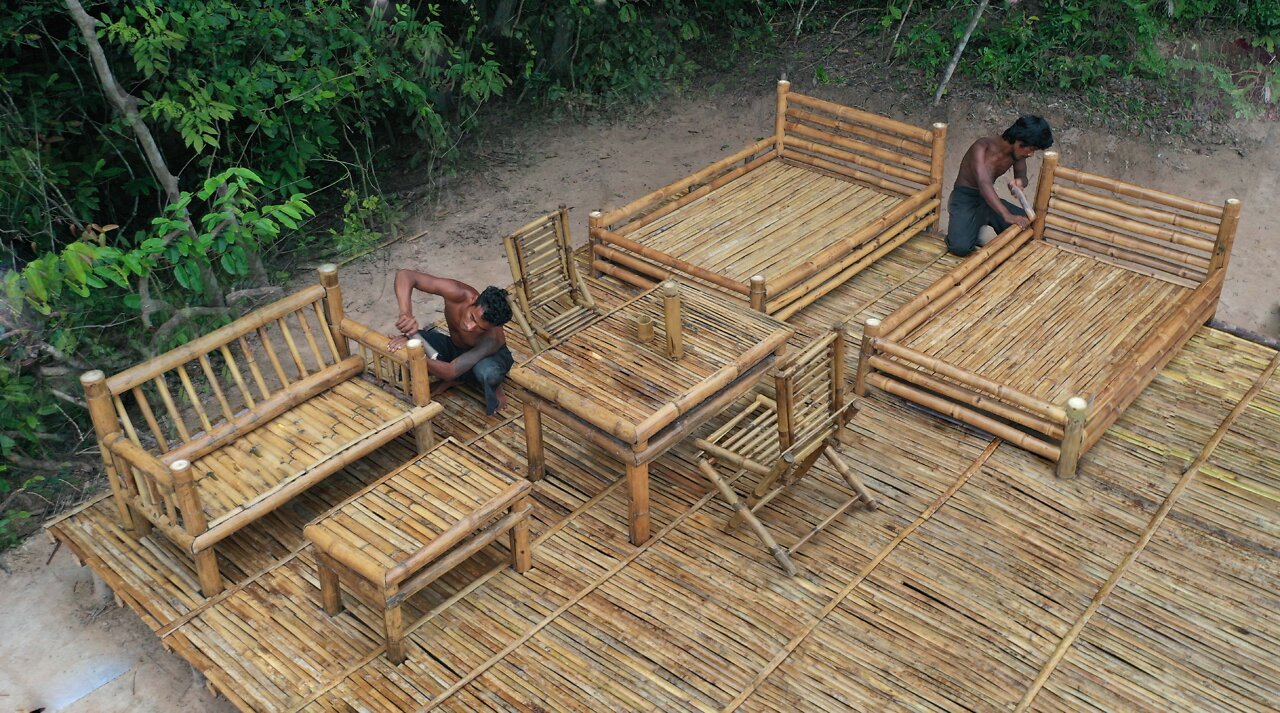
(1047, 334)
(787, 219)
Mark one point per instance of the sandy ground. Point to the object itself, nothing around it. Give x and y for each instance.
(63, 648)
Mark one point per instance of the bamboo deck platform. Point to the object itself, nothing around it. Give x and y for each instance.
(983, 582)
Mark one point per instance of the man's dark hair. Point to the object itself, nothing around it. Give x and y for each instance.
(1031, 130)
(494, 306)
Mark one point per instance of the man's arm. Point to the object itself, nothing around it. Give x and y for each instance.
(409, 280)
(1020, 173)
(451, 370)
(987, 187)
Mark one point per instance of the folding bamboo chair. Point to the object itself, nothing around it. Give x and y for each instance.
(781, 439)
(550, 300)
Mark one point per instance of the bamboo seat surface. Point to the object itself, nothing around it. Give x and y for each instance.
(275, 452)
(1049, 323)
(899, 607)
(766, 222)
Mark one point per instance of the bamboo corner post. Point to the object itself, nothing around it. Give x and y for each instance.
(671, 311)
(333, 306)
(193, 522)
(1043, 188)
(595, 221)
(105, 424)
(420, 386)
(1073, 437)
(937, 157)
(535, 456)
(838, 369)
(869, 334)
(1226, 236)
(757, 293)
(780, 121)
(644, 329)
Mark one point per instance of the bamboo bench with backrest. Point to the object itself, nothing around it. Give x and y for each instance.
(203, 440)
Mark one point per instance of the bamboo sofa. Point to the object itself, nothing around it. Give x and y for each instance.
(789, 218)
(1047, 334)
(203, 440)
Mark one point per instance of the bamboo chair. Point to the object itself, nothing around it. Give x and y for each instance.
(781, 440)
(550, 300)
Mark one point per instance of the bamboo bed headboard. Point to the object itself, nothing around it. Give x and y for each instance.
(1142, 230)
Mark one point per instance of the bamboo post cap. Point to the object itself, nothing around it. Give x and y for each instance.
(328, 268)
(92, 377)
(595, 214)
(757, 280)
(415, 343)
(1233, 201)
(179, 465)
(939, 124)
(670, 288)
(873, 322)
(1076, 404)
(1047, 154)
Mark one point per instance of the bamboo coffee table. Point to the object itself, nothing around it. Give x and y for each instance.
(633, 400)
(409, 528)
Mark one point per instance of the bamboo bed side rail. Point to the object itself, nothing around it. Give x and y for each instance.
(672, 262)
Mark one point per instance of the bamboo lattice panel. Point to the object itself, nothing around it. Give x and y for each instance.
(1049, 323)
(765, 222)
(955, 594)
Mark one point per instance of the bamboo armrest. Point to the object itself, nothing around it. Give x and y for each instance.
(371, 338)
(139, 458)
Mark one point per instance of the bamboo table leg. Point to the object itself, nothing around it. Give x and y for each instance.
(533, 441)
(393, 619)
(521, 557)
(638, 487)
(330, 589)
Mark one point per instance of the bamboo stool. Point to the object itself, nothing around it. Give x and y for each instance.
(409, 528)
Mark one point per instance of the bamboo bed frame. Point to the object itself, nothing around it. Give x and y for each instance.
(787, 219)
(1010, 341)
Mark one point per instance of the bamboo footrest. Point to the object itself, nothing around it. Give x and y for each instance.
(400, 534)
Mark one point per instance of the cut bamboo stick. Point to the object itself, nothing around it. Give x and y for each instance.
(938, 155)
(757, 293)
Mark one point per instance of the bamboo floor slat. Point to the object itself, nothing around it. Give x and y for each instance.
(1049, 323)
(959, 588)
(766, 221)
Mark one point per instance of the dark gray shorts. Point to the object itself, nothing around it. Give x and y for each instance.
(967, 212)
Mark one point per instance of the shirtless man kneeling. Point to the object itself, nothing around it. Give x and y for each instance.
(973, 202)
(475, 349)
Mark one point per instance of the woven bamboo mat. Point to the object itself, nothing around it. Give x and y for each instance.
(765, 222)
(954, 594)
(1049, 323)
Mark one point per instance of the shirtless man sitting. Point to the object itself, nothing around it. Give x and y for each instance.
(973, 202)
(475, 349)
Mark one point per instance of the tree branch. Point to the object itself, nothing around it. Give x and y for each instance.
(964, 41)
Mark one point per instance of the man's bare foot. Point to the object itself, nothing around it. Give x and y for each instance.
(502, 399)
(442, 386)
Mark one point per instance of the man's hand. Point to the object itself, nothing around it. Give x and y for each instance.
(1020, 182)
(398, 341)
(407, 324)
(1019, 220)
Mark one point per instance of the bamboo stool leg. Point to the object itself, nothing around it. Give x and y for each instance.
(533, 442)
(207, 572)
(851, 478)
(521, 556)
(330, 588)
(745, 515)
(638, 487)
(393, 621)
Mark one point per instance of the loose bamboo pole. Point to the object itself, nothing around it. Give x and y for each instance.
(672, 262)
(1005, 393)
(1048, 172)
(937, 156)
(780, 118)
(420, 391)
(867, 349)
(757, 292)
(683, 184)
(671, 314)
(1073, 437)
(260, 317)
(1226, 236)
(864, 117)
(105, 424)
(1135, 191)
(333, 304)
(535, 455)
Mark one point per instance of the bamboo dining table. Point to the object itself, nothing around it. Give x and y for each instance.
(629, 396)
